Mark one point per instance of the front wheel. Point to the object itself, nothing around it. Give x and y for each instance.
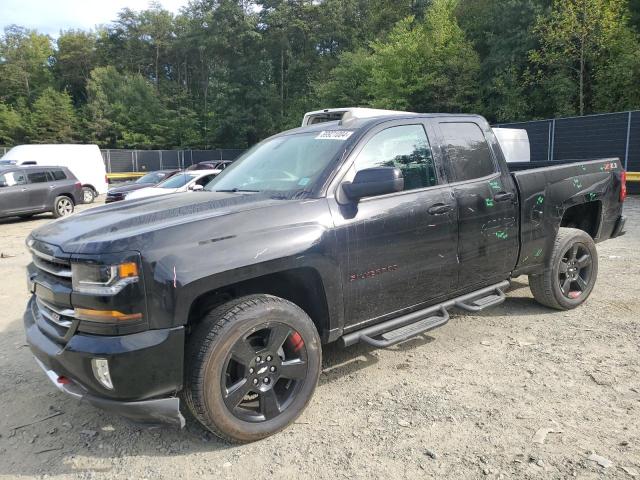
(252, 367)
(570, 271)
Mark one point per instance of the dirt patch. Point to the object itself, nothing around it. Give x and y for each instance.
(520, 391)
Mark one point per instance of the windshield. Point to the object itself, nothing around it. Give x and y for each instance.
(153, 177)
(177, 181)
(287, 164)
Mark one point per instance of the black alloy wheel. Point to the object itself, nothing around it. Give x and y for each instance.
(264, 372)
(574, 272)
(252, 365)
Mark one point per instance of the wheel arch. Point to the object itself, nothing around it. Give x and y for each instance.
(586, 216)
(304, 286)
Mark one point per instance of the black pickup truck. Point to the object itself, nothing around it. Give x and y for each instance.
(360, 230)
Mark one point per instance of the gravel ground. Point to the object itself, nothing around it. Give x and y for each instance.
(520, 391)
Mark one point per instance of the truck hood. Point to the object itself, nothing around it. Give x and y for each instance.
(124, 226)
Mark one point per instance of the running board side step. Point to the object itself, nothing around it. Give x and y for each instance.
(399, 329)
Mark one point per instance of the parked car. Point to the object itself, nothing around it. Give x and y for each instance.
(367, 230)
(151, 179)
(181, 182)
(210, 165)
(84, 161)
(25, 191)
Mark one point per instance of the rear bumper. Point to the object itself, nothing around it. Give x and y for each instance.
(618, 229)
(145, 368)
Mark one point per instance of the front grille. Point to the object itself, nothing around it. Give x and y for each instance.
(62, 317)
(55, 322)
(54, 266)
(52, 308)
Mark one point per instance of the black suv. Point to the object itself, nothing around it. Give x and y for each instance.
(25, 191)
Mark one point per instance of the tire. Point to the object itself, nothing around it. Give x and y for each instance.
(88, 195)
(237, 344)
(570, 271)
(62, 206)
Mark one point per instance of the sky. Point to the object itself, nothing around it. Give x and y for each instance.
(51, 16)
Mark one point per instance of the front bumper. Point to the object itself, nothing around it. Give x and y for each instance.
(146, 370)
(159, 410)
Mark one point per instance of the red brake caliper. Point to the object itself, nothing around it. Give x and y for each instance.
(295, 341)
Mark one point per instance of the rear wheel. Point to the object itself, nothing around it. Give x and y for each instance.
(88, 195)
(252, 367)
(62, 207)
(570, 272)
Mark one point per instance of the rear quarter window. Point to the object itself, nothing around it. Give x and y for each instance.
(58, 175)
(467, 151)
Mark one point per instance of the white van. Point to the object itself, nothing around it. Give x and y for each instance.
(84, 161)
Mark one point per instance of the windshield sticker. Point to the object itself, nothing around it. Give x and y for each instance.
(334, 135)
(303, 181)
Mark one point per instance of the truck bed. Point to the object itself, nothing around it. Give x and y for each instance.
(546, 193)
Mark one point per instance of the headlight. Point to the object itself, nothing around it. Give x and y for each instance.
(102, 279)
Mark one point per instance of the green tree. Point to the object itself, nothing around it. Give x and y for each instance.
(75, 57)
(349, 83)
(502, 34)
(11, 125)
(53, 119)
(425, 65)
(582, 43)
(25, 64)
(125, 111)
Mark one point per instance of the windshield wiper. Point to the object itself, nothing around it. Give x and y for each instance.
(235, 190)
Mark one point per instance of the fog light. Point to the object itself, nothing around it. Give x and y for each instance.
(100, 368)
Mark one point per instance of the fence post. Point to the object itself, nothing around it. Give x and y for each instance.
(160, 151)
(553, 138)
(549, 142)
(109, 160)
(626, 152)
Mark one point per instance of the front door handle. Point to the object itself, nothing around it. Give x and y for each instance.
(504, 196)
(440, 209)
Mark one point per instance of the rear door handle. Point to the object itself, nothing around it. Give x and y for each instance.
(439, 209)
(504, 196)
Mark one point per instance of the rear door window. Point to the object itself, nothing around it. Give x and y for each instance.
(37, 177)
(467, 151)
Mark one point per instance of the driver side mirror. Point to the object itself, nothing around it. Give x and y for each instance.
(195, 187)
(372, 182)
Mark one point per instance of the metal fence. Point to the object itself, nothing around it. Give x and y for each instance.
(575, 138)
(584, 138)
(122, 161)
